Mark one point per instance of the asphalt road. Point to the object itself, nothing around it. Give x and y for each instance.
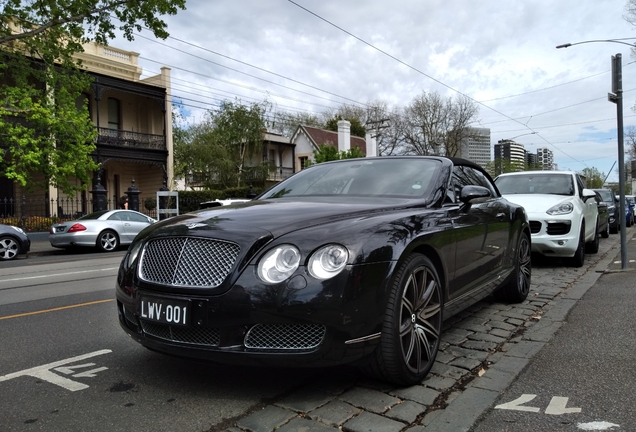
(65, 365)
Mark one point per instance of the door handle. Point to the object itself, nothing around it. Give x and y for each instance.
(500, 216)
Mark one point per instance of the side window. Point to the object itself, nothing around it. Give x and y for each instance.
(114, 216)
(468, 176)
(580, 185)
(136, 217)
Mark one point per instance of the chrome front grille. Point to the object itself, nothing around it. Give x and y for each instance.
(188, 335)
(285, 336)
(187, 261)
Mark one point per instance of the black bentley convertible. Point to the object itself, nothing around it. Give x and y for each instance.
(358, 260)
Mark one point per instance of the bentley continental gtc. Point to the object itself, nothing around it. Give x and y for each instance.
(353, 261)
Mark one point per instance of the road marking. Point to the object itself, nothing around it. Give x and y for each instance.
(44, 372)
(515, 405)
(558, 406)
(59, 274)
(55, 309)
(597, 426)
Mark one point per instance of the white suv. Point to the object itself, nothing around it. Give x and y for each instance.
(563, 214)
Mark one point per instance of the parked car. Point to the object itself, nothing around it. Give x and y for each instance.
(219, 203)
(629, 210)
(603, 216)
(357, 260)
(563, 213)
(13, 242)
(611, 200)
(106, 229)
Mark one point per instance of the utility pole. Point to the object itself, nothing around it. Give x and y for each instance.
(617, 97)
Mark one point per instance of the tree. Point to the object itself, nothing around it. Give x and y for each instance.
(217, 149)
(44, 121)
(594, 179)
(356, 127)
(434, 125)
(326, 153)
(286, 123)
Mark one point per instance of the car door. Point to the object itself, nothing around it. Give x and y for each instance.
(133, 223)
(482, 232)
(590, 210)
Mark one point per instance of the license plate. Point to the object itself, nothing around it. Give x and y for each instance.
(165, 310)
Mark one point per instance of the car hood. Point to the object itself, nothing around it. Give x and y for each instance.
(537, 203)
(271, 217)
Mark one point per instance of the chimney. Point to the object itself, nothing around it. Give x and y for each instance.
(372, 145)
(344, 135)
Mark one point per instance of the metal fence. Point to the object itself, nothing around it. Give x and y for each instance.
(38, 214)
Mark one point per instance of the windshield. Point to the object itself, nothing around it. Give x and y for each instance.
(398, 177)
(554, 184)
(95, 215)
(606, 194)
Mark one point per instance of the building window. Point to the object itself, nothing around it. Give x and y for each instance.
(113, 113)
(303, 162)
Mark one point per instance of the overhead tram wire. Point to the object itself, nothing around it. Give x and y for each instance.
(222, 97)
(252, 76)
(426, 75)
(247, 64)
(231, 83)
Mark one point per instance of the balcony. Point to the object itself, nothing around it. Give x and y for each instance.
(279, 173)
(128, 139)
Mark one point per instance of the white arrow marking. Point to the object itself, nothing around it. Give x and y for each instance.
(44, 372)
(90, 373)
(598, 425)
(515, 405)
(71, 369)
(558, 406)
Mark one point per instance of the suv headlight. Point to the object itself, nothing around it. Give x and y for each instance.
(328, 261)
(278, 264)
(560, 209)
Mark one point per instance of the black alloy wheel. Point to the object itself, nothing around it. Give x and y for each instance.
(606, 233)
(412, 327)
(9, 248)
(516, 289)
(107, 241)
(579, 256)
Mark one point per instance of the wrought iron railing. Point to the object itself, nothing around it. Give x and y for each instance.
(137, 140)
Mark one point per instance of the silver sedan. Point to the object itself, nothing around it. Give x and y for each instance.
(106, 230)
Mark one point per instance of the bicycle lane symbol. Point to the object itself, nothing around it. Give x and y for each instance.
(45, 372)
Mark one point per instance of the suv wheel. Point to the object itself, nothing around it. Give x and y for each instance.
(579, 256)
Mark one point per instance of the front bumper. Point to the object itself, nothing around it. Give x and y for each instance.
(555, 236)
(300, 322)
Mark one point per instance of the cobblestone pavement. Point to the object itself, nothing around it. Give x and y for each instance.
(482, 351)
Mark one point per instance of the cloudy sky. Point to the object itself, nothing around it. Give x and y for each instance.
(305, 56)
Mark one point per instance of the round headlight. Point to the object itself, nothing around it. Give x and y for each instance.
(278, 264)
(328, 261)
(560, 209)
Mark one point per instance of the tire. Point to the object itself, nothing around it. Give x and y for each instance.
(517, 287)
(614, 230)
(579, 256)
(412, 327)
(107, 241)
(9, 248)
(628, 222)
(605, 233)
(592, 247)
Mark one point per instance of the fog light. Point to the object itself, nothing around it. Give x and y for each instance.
(561, 242)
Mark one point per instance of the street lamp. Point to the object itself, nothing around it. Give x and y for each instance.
(617, 97)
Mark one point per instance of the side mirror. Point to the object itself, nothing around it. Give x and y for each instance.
(587, 194)
(469, 193)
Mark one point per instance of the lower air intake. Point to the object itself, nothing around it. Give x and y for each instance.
(285, 336)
